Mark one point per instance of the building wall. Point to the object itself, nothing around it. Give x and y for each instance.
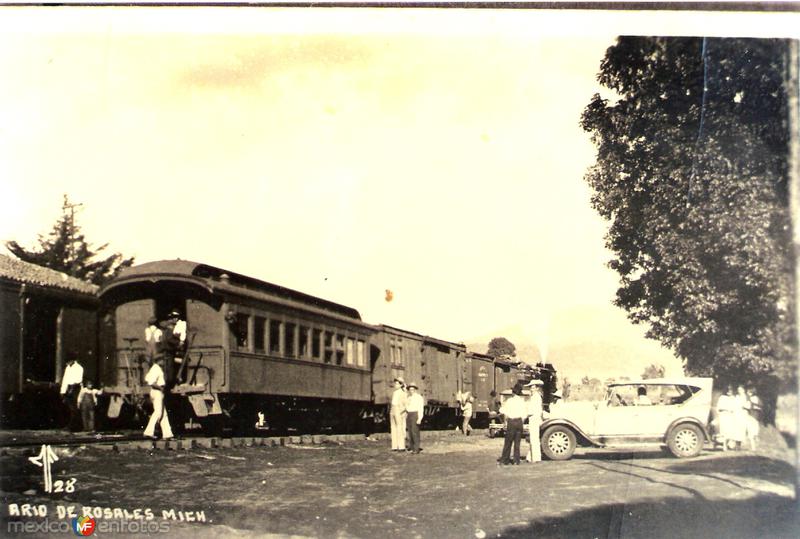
(9, 338)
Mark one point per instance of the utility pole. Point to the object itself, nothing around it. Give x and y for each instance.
(71, 227)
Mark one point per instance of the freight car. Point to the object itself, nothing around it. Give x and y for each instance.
(302, 362)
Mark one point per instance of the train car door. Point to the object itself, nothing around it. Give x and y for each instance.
(481, 383)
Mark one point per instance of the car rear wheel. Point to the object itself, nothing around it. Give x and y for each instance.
(685, 440)
(558, 442)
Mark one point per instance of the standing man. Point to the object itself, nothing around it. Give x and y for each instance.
(155, 379)
(87, 402)
(173, 337)
(415, 407)
(71, 384)
(466, 409)
(515, 410)
(397, 415)
(535, 420)
(152, 338)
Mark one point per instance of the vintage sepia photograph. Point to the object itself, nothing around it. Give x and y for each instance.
(452, 270)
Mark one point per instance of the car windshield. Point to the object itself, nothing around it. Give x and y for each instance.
(649, 394)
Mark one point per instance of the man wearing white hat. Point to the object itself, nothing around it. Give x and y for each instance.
(397, 415)
(535, 419)
(415, 408)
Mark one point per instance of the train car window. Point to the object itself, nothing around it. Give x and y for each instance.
(275, 336)
(305, 339)
(259, 329)
(316, 339)
(291, 350)
(339, 349)
(242, 320)
(328, 347)
(351, 352)
(360, 353)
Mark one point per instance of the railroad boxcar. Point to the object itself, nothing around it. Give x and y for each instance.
(482, 385)
(301, 361)
(45, 315)
(442, 369)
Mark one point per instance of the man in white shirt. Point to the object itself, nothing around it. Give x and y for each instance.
(415, 408)
(180, 326)
(535, 420)
(515, 410)
(466, 409)
(155, 379)
(152, 338)
(397, 415)
(71, 384)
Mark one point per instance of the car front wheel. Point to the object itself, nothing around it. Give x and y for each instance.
(685, 440)
(558, 442)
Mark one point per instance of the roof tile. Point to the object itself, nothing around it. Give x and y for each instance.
(25, 272)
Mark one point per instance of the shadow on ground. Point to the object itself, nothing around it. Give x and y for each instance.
(760, 516)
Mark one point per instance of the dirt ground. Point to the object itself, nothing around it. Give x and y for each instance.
(454, 488)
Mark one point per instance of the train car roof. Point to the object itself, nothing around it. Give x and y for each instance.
(214, 278)
(425, 338)
(478, 355)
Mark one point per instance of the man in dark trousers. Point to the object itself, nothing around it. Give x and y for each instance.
(172, 347)
(415, 408)
(71, 384)
(515, 411)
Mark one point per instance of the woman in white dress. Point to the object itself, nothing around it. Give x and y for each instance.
(726, 406)
(753, 419)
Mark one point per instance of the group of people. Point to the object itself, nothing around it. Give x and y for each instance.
(165, 345)
(405, 415)
(739, 415)
(515, 409)
(79, 395)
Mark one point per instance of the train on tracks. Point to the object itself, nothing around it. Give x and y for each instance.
(263, 356)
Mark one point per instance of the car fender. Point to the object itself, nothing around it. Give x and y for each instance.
(552, 422)
(688, 419)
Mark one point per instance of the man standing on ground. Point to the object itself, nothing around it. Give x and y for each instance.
(466, 409)
(155, 379)
(397, 415)
(535, 420)
(414, 409)
(71, 384)
(515, 410)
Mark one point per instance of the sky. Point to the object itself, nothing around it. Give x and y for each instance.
(340, 152)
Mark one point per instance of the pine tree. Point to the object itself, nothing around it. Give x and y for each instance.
(65, 249)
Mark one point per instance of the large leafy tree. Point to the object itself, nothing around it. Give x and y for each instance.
(692, 175)
(500, 346)
(65, 249)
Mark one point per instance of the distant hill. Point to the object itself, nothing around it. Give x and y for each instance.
(597, 342)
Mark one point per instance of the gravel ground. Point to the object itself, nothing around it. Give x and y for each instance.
(454, 488)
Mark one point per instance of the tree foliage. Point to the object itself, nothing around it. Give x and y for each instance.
(65, 249)
(500, 346)
(692, 175)
(653, 371)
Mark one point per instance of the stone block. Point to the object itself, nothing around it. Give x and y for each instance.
(204, 443)
(305, 439)
(295, 439)
(318, 439)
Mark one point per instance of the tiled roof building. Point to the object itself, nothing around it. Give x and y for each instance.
(27, 273)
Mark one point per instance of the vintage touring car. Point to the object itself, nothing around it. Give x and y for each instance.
(667, 412)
